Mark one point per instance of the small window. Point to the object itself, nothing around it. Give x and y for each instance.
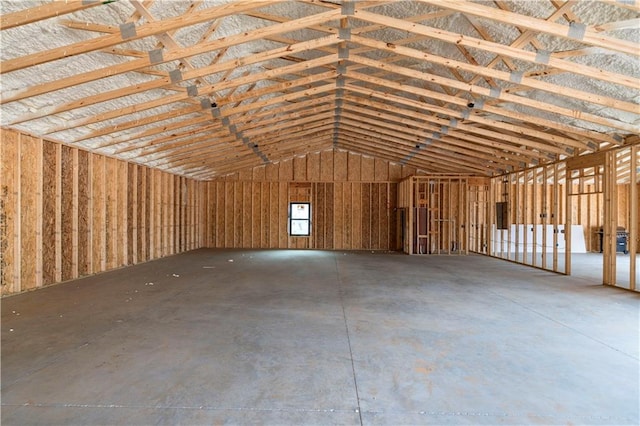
(300, 219)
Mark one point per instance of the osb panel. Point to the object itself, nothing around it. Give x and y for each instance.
(264, 214)
(111, 212)
(84, 217)
(366, 215)
(357, 217)
(9, 212)
(272, 171)
(340, 163)
(354, 162)
(140, 213)
(326, 166)
(148, 209)
(260, 173)
(300, 169)
(367, 171)
(229, 214)
(257, 207)
(347, 209)
(375, 216)
(394, 244)
(328, 236)
(313, 167)
(30, 192)
(286, 171)
(381, 170)
(271, 215)
(237, 217)
(318, 215)
(283, 203)
(395, 172)
(49, 190)
(338, 216)
(220, 211)
(246, 174)
(247, 214)
(67, 218)
(123, 241)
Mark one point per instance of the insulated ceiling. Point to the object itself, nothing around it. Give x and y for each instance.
(206, 88)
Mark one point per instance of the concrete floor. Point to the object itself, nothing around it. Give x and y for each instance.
(312, 337)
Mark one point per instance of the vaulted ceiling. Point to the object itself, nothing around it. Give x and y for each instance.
(205, 88)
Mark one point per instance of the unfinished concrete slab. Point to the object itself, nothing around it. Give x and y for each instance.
(321, 337)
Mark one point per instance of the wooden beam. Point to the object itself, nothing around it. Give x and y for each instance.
(46, 11)
(586, 36)
(484, 91)
(142, 31)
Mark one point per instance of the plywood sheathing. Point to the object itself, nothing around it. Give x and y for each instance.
(67, 213)
(548, 80)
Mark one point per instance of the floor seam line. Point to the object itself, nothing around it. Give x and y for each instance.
(563, 325)
(346, 326)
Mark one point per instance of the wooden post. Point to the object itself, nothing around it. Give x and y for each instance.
(633, 230)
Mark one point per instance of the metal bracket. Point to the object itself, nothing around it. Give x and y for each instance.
(128, 30)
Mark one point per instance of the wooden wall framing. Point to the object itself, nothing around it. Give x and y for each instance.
(353, 201)
(67, 213)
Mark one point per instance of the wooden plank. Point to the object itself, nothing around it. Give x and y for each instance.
(30, 225)
(366, 214)
(381, 170)
(67, 214)
(313, 166)
(50, 183)
(340, 166)
(368, 169)
(354, 167)
(326, 166)
(83, 213)
(585, 161)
